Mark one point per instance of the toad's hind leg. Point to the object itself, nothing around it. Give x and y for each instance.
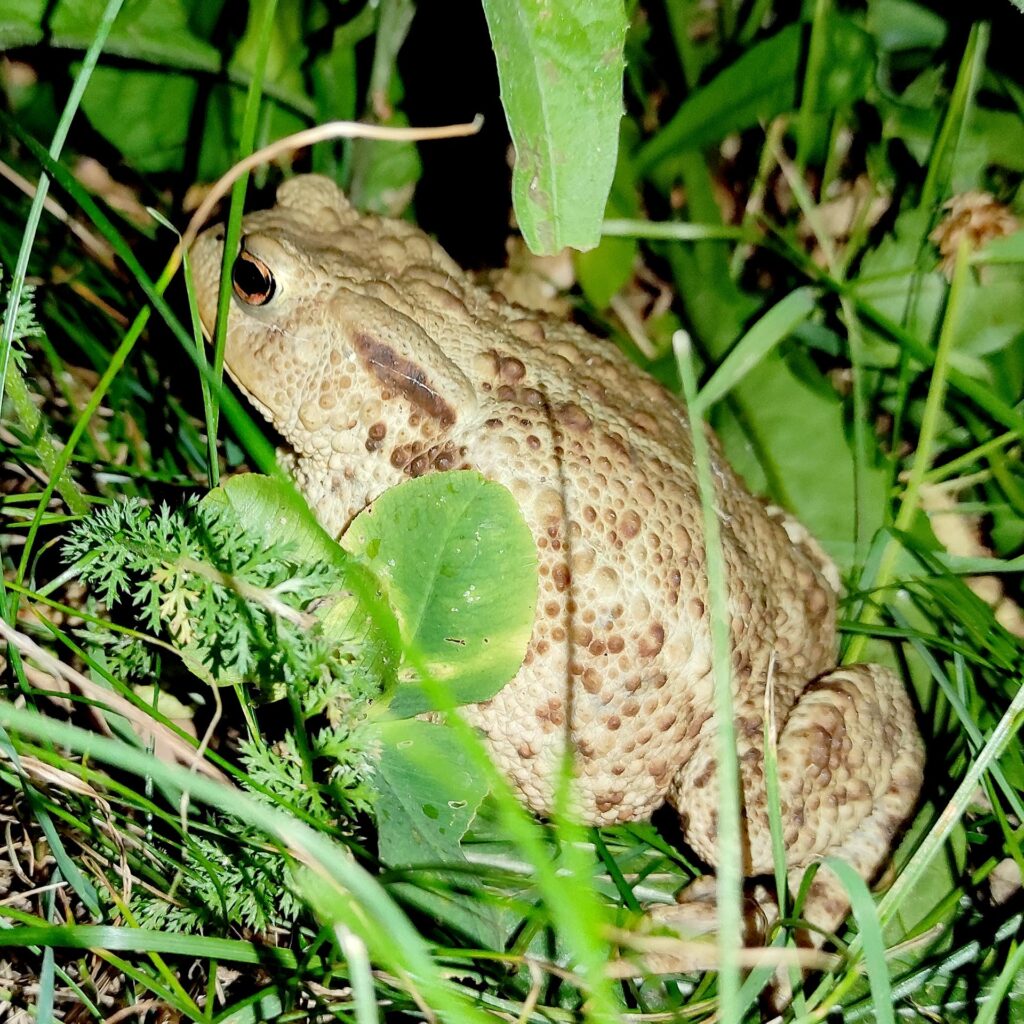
(850, 763)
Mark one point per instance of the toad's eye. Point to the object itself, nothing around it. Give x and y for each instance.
(253, 282)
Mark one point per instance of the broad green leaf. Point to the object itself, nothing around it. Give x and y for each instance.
(605, 269)
(761, 84)
(154, 31)
(270, 508)
(460, 569)
(21, 23)
(147, 115)
(428, 793)
(903, 25)
(560, 69)
(789, 415)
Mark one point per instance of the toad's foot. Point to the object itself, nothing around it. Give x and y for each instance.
(693, 923)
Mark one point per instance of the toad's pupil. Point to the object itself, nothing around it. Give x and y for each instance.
(253, 282)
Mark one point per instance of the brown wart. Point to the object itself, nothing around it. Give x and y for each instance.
(403, 375)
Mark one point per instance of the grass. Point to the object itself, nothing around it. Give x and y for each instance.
(845, 375)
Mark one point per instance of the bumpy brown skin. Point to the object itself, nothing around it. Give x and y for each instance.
(378, 360)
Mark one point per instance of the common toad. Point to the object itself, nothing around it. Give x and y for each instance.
(378, 359)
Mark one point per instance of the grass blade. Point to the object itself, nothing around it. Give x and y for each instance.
(1008, 727)
(89, 62)
(765, 335)
(729, 869)
(393, 941)
(925, 446)
(993, 999)
(233, 228)
(867, 918)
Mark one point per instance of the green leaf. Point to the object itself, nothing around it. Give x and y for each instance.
(889, 281)
(605, 269)
(147, 115)
(990, 137)
(786, 414)
(460, 569)
(144, 940)
(225, 105)
(287, 50)
(763, 337)
(993, 298)
(391, 939)
(335, 908)
(21, 23)
(560, 70)
(993, 316)
(272, 508)
(428, 793)
(156, 32)
(902, 25)
(1009, 249)
(939, 879)
(866, 916)
(384, 174)
(334, 78)
(761, 84)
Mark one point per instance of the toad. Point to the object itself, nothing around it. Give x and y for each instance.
(378, 360)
